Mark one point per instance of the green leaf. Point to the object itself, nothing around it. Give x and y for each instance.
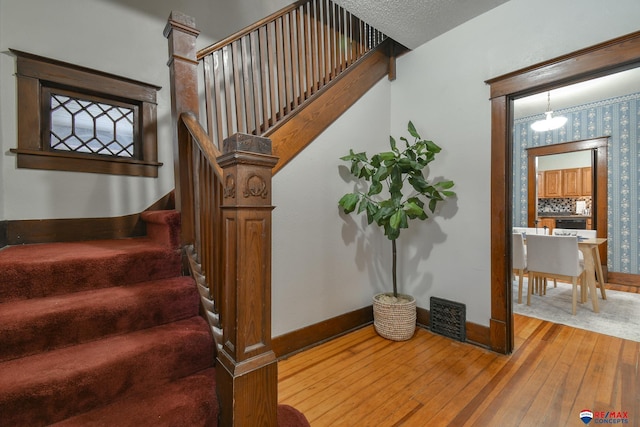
(383, 214)
(413, 210)
(348, 202)
(419, 184)
(372, 210)
(449, 193)
(392, 142)
(363, 205)
(388, 155)
(395, 186)
(412, 130)
(376, 188)
(432, 205)
(381, 174)
(395, 219)
(445, 184)
(433, 147)
(391, 233)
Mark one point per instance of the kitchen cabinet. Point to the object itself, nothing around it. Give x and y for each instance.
(575, 182)
(553, 183)
(571, 182)
(587, 181)
(540, 185)
(550, 223)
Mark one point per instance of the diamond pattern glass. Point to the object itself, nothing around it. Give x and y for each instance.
(85, 126)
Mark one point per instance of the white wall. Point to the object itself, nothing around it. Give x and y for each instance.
(441, 87)
(575, 159)
(326, 263)
(122, 37)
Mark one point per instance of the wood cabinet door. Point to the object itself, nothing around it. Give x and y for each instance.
(550, 223)
(540, 185)
(553, 183)
(572, 182)
(587, 181)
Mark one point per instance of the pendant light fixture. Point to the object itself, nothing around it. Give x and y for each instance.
(549, 122)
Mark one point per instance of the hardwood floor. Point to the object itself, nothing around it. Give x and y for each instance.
(556, 371)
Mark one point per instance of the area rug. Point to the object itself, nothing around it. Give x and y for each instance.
(619, 314)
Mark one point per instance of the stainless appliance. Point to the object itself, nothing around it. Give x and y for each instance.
(572, 223)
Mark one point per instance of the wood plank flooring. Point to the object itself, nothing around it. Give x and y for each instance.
(555, 372)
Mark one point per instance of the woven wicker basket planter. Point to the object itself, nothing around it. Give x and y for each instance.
(395, 320)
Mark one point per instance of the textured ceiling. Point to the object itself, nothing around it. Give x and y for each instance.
(414, 22)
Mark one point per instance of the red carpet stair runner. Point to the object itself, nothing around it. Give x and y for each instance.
(105, 333)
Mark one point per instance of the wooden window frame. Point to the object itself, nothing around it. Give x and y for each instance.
(36, 74)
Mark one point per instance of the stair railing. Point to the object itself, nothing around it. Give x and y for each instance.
(255, 79)
(253, 82)
(224, 197)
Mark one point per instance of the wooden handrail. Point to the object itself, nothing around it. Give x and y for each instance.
(203, 141)
(229, 39)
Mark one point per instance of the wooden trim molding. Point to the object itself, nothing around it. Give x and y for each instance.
(476, 334)
(19, 232)
(3, 234)
(612, 56)
(40, 80)
(624, 279)
(310, 336)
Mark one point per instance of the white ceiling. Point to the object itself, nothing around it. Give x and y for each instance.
(415, 22)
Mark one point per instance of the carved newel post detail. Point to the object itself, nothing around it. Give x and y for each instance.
(247, 372)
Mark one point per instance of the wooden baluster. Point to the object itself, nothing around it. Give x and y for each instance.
(264, 78)
(273, 75)
(280, 55)
(247, 373)
(288, 62)
(236, 49)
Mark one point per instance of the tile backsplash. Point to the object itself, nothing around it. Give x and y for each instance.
(562, 204)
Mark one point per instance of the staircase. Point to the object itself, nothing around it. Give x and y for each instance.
(104, 333)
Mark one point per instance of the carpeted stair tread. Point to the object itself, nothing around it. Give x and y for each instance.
(42, 324)
(163, 227)
(49, 387)
(190, 401)
(41, 270)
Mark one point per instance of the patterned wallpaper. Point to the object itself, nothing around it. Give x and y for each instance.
(619, 119)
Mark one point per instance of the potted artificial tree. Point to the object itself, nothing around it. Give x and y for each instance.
(408, 194)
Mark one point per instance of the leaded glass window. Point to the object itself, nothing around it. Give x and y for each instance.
(89, 126)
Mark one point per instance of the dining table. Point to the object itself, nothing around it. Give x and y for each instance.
(592, 269)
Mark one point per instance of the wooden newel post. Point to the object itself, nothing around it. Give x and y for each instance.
(183, 66)
(247, 372)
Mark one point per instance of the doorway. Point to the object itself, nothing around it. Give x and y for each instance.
(597, 147)
(606, 58)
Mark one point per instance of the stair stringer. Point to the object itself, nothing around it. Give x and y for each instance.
(310, 119)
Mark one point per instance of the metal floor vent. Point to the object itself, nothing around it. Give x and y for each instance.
(448, 318)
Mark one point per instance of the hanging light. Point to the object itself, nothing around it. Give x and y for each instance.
(549, 123)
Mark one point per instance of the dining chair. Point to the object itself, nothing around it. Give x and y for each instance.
(518, 260)
(554, 257)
